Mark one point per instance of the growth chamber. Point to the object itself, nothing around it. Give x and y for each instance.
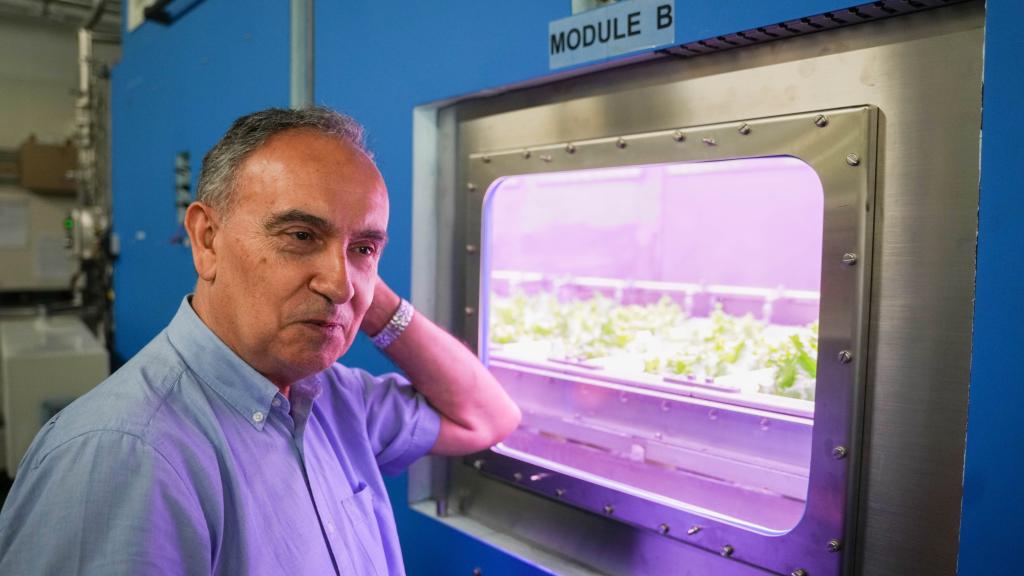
(701, 280)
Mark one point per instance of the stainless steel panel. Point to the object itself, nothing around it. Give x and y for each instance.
(923, 72)
(848, 201)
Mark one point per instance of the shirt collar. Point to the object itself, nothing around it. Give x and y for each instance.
(217, 366)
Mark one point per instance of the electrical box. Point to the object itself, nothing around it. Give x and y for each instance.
(33, 242)
(45, 363)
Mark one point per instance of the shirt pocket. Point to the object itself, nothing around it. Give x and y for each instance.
(359, 509)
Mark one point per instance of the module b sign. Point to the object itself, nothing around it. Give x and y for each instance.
(617, 29)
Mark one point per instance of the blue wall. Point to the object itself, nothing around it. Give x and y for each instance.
(993, 504)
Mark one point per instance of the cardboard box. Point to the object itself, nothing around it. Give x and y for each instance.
(47, 167)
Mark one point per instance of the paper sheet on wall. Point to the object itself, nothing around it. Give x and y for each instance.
(13, 223)
(52, 257)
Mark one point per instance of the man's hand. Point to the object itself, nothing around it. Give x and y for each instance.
(476, 412)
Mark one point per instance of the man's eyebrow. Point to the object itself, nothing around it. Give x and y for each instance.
(275, 221)
(372, 234)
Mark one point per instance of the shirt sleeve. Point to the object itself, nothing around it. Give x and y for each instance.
(103, 503)
(400, 424)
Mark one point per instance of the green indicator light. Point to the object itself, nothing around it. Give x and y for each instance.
(69, 223)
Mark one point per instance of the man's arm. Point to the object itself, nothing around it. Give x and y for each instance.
(105, 504)
(476, 412)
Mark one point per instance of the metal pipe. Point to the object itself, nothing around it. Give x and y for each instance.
(301, 78)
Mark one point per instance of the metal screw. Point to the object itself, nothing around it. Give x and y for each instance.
(678, 136)
(470, 248)
(470, 186)
(852, 159)
(545, 157)
(693, 530)
(518, 476)
(798, 572)
(744, 129)
(839, 452)
(821, 120)
(486, 159)
(709, 141)
(478, 464)
(727, 550)
(609, 509)
(570, 148)
(849, 258)
(470, 310)
(560, 492)
(834, 545)
(526, 154)
(621, 142)
(664, 528)
(845, 357)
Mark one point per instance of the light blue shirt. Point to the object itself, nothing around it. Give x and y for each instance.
(188, 461)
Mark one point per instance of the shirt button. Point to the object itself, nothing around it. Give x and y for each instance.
(275, 402)
(257, 416)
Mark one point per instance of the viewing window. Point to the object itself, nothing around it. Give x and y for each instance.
(658, 325)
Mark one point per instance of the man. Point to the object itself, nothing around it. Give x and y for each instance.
(233, 443)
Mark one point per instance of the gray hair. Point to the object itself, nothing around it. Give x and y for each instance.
(248, 133)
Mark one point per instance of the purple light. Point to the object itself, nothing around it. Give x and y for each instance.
(745, 235)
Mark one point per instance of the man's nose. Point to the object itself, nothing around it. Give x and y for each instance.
(332, 278)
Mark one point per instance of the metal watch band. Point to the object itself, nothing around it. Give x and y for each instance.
(398, 323)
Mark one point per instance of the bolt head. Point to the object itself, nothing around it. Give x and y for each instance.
(518, 476)
(744, 129)
(821, 120)
(545, 157)
(560, 492)
(839, 452)
(470, 186)
(620, 143)
(679, 136)
(609, 509)
(470, 248)
(845, 357)
(834, 545)
(664, 528)
(798, 572)
(849, 258)
(486, 159)
(570, 148)
(478, 464)
(693, 530)
(526, 154)
(709, 141)
(470, 310)
(852, 159)
(727, 550)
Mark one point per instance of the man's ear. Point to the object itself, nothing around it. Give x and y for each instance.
(202, 224)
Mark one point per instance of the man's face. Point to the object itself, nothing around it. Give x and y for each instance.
(297, 254)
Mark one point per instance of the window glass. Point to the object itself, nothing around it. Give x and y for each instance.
(659, 327)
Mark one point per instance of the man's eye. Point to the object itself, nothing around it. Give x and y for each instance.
(366, 250)
(302, 235)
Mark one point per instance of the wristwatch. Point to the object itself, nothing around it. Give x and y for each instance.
(394, 328)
